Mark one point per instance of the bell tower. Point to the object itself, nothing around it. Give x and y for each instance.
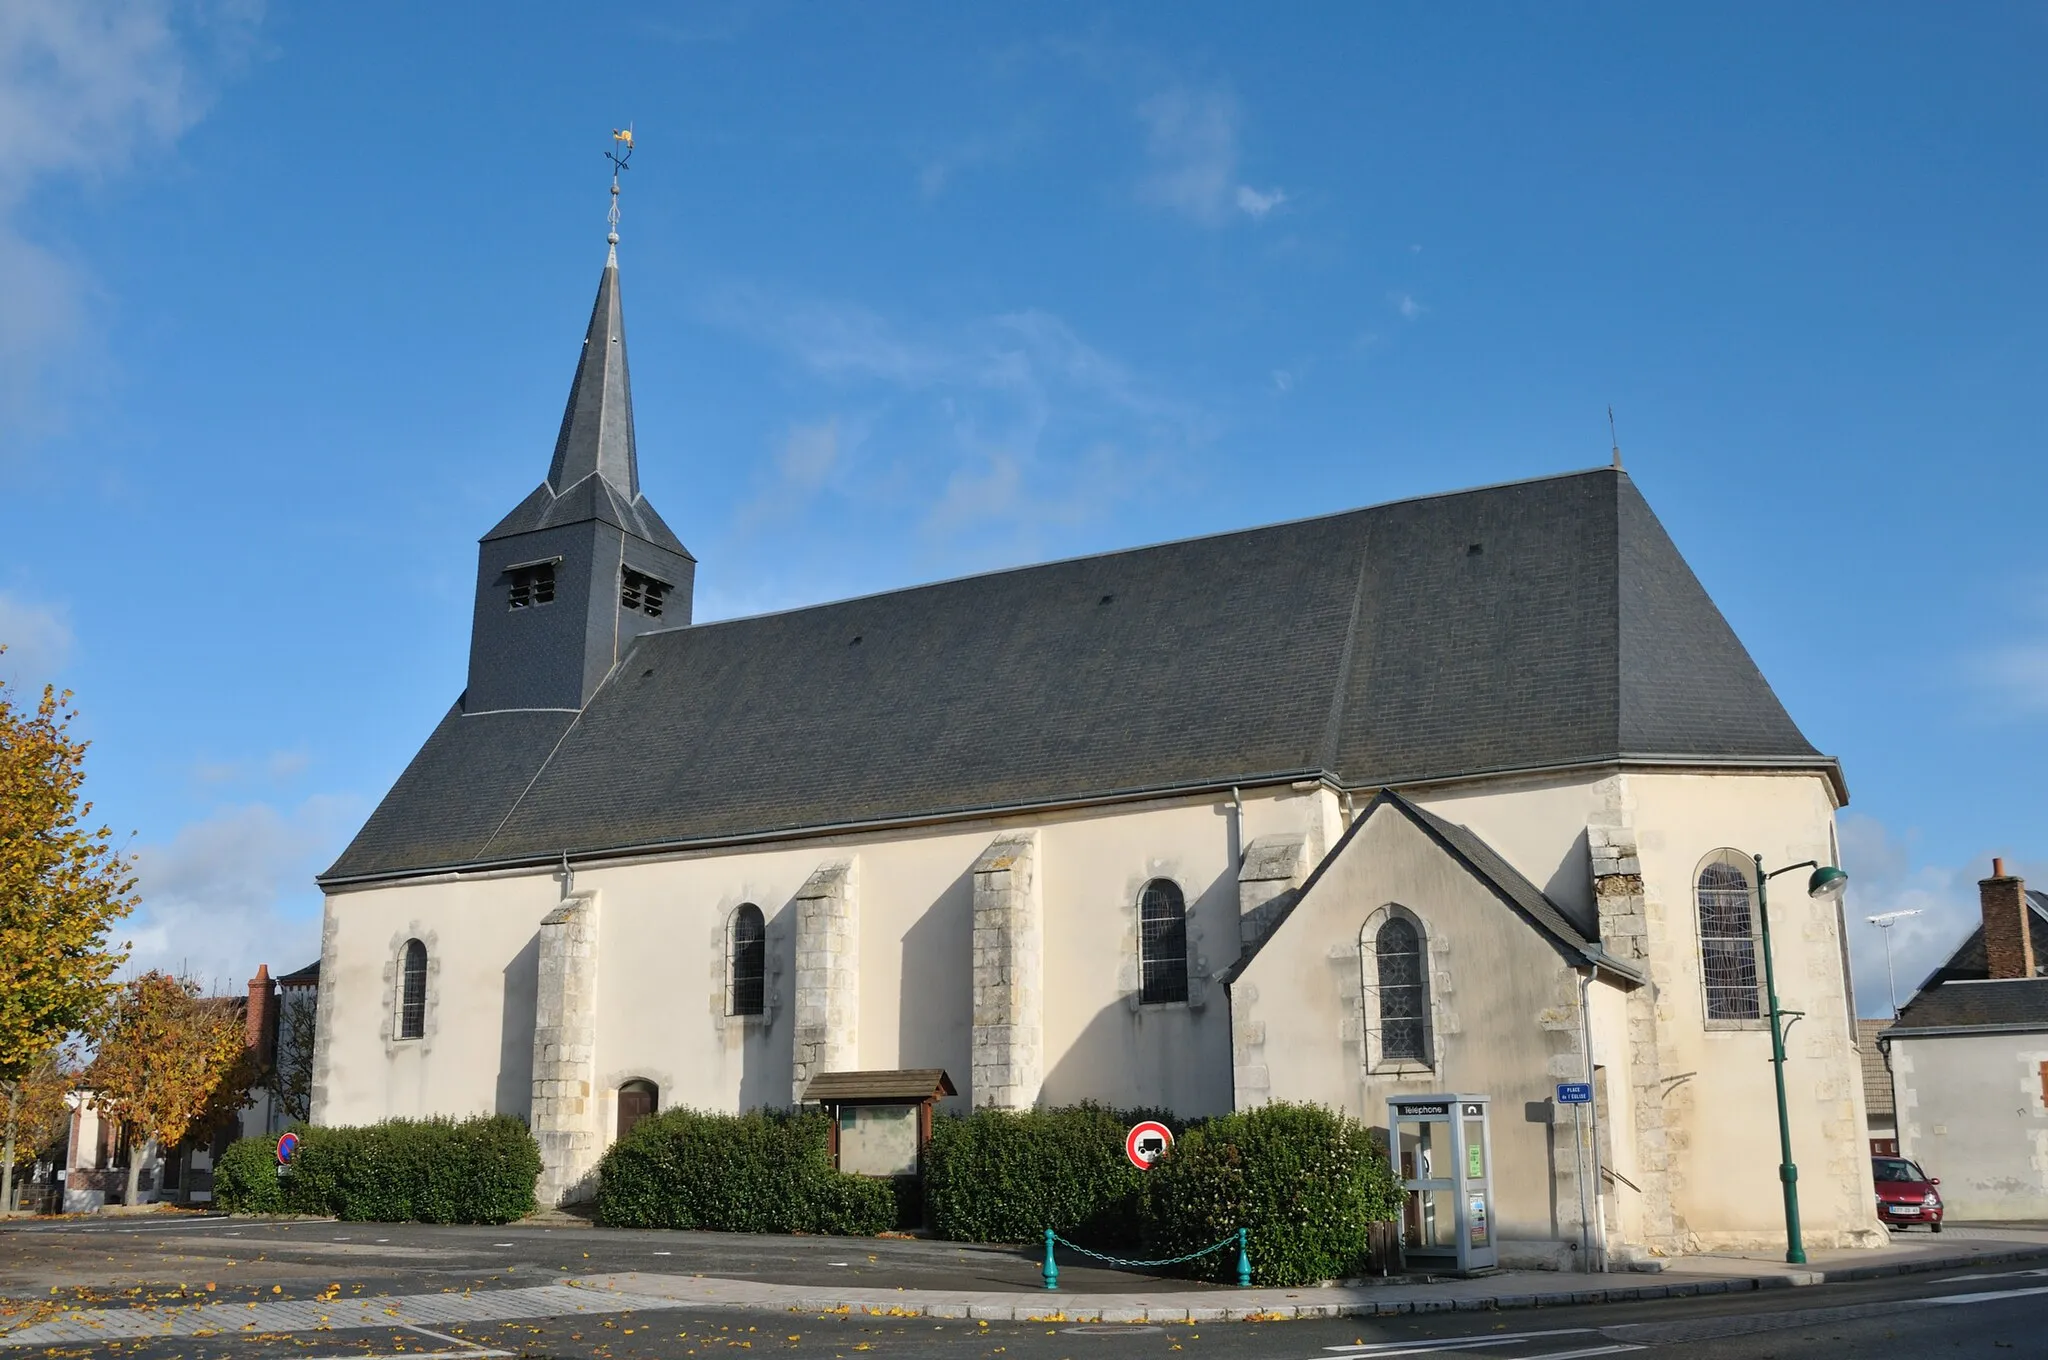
(583, 565)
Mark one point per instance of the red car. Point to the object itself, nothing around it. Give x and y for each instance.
(1905, 1193)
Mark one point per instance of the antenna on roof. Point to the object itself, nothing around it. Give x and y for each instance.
(1612, 436)
(622, 138)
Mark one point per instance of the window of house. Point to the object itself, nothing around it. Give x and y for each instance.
(532, 585)
(1403, 1005)
(747, 956)
(412, 992)
(639, 591)
(1728, 938)
(637, 1101)
(1162, 943)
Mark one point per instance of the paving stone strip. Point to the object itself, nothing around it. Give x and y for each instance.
(322, 1315)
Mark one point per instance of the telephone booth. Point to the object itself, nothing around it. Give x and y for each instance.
(1442, 1147)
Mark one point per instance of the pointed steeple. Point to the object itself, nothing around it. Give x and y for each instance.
(597, 425)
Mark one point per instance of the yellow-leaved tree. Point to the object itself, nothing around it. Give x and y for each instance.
(63, 885)
(171, 1061)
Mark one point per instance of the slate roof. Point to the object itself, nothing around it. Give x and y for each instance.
(1977, 1003)
(1969, 961)
(1539, 624)
(1574, 939)
(595, 473)
(1877, 1077)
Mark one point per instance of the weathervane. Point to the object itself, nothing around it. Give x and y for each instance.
(618, 160)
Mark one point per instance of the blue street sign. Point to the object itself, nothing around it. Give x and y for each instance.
(1575, 1093)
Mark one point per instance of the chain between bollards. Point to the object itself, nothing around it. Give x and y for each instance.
(1051, 1270)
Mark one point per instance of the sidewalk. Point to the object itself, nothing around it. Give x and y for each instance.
(1691, 1276)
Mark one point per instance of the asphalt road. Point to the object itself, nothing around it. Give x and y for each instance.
(1998, 1311)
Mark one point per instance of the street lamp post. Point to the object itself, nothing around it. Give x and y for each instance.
(1884, 921)
(1825, 884)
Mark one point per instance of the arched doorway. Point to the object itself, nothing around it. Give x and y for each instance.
(637, 1101)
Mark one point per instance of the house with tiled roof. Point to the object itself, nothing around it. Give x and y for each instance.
(1968, 1056)
(1456, 793)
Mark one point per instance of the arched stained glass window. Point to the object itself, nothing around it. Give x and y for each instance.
(747, 958)
(1162, 943)
(1728, 938)
(1403, 999)
(412, 991)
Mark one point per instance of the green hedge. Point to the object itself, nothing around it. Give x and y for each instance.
(245, 1179)
(1308, 1183)
(764, 1172)
(1007, 1176)
(478, 1170)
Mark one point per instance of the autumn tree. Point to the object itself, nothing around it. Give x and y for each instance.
(291, 1074)
(171, 1061)
(38, 1115)
(62, 888)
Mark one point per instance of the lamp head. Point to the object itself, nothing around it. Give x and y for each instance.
(1827, 884)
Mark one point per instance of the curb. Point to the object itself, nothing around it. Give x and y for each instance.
(1257, 1305)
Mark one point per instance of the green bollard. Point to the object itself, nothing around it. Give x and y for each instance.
(1052, 1271)
(1244, 1263)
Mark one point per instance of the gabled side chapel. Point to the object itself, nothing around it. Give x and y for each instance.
(1454, 793)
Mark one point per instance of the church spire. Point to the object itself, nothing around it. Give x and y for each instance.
(597, 427)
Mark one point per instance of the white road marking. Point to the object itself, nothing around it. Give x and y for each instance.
(1993, 1275)
(451, 1340)
(1591, 1350)
(1377, 1348)
(1987, 1296)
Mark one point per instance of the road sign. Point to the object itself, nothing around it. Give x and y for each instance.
(287, 1148)
(1146, 1143)
(1575, 1093)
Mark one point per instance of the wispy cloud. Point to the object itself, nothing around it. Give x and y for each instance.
(86, 88)
(236, 889)
(1191, 149)
(37, 637)
(2016, 678)
(1406, 305)
(1883, 879)
(1012, 421)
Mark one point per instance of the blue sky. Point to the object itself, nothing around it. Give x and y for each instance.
(292, 299)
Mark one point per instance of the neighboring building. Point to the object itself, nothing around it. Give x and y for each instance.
(1340, 809)
(1877, 1089)
(1969, 1060)
(95, 1171)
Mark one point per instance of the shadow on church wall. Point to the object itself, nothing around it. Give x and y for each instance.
(767, 1062)
(935, 1010)
(515, 1031)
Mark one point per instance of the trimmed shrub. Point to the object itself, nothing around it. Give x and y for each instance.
(1308, 1182)
(764, 1172)
(1007, 1176)
(245, 1179)
(478, 1170)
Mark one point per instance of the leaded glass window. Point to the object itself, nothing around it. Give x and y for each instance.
(1162, 943)
(1728, 941)
(1403, 1002)
(749, 961)
(412, 995)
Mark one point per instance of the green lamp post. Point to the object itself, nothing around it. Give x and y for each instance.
(1825, 884)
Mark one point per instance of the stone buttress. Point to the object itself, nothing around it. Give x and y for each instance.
(1008, 1052)
(565, 1108)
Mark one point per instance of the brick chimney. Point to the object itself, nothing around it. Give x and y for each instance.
(2008, 940)
(261, 1017)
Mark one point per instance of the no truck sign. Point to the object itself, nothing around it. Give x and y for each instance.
(1146, 1143)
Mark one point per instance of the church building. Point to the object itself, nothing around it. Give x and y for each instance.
(1452, 794)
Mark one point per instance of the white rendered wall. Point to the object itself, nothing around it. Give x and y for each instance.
(1971, 1112)
(661, 1009)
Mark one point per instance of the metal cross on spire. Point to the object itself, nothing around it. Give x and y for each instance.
(618, 159)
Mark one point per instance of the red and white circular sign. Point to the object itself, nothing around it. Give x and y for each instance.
(1147, 1143)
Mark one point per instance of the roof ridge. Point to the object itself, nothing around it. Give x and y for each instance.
(1302, 521)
